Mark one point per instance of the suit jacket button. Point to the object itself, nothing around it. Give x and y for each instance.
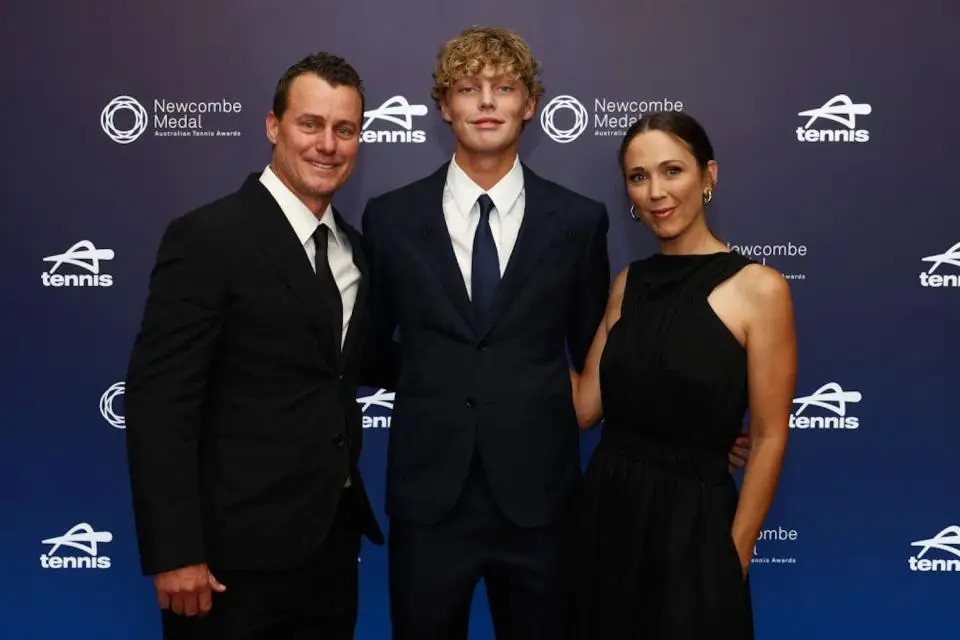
(469, 403)
(339, 440)
(482, 346)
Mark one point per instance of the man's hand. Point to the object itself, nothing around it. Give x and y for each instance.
(187, 590)
(739, 452)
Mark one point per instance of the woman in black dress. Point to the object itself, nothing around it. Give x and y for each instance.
(694, 337)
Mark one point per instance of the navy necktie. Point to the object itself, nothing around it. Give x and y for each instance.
(328, 284)
(485, 270)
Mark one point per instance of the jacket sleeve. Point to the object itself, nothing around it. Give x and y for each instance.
(593, 288)
(166, 381)
(382, 355)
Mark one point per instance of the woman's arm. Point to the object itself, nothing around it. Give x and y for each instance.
(771, 378)
(586, 387)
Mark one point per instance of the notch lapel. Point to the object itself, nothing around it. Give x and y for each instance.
(278, 240)
(438, 247)
(358, 319)
(537, 232)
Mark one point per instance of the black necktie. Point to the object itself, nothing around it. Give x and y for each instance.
(485, 270)
(328, 285)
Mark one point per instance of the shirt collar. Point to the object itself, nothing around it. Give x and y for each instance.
(302, 220)
(465, 191)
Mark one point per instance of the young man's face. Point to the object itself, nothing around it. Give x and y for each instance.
(486, 111)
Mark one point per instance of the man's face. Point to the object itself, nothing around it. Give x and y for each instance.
(317, 139)
(486, 111)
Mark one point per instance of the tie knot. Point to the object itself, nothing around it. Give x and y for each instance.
(320, 234)
(486, 205)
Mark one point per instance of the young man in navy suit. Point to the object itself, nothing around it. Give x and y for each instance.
(490, 275)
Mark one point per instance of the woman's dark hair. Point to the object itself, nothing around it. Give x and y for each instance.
(674, 122)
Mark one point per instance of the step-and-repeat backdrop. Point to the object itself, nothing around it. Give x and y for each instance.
(835, 129)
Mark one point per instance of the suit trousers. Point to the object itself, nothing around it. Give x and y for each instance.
(316, 600)
(435, 568)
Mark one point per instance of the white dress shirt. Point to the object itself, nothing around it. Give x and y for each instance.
(339, 252)
(462, 214)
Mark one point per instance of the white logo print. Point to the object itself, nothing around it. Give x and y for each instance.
(108, 407)
(839, 109)
(81, 537)
(398, 111)
(779, 540)
(108, 123)
(832, 398)
(381, 398)
(930, 279)
(568, 103)
(947, 541)
(85, 256)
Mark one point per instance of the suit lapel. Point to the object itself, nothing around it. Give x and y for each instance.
(437, 246)
(277, 238)
(358, 318)
(537, 232)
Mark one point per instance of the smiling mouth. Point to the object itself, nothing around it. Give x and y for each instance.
(323, 166)
(662, 213)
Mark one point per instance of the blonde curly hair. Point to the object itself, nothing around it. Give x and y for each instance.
(475, 48)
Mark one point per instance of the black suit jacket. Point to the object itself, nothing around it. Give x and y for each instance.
(241, 416)
(504, 388)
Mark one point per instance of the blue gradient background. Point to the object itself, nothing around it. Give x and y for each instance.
(867, 213)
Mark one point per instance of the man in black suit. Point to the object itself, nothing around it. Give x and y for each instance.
(243, 430)
(491, 274)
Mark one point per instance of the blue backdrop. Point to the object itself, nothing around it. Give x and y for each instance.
(835, 128)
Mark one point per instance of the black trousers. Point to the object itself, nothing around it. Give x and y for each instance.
(434, 570)
(317, 600)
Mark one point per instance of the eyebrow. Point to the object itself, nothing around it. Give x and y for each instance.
(642, 168)
(314, 116)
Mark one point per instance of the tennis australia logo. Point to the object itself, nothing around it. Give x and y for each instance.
(81, 537)
(832, 399)
(947, 542)
(85, 257)
(399, 112)
(125, 119)
(951, 257)
(381, 399)
(839, 109)
(109, 405)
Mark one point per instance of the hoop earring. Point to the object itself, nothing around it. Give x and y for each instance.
(707, 197)
(633, 214)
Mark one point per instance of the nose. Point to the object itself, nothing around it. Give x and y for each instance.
(656, 187)
(486, 97)
(325, 141)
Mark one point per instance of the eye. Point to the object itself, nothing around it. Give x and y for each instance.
(636, 178)
(672, 171)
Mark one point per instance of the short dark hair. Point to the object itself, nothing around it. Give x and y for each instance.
(331, 68)
(676, 123)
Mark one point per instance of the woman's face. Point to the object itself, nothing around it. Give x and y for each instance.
(665, 183)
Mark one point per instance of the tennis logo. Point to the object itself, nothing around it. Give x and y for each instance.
(833, 400)
(83, 538)
(840, 109)
(85, 257)
(942, 280)
(396, 111)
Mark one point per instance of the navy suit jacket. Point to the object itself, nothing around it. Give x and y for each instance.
(504, 388)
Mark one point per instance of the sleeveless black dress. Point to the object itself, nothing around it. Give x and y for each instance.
(654, 557)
